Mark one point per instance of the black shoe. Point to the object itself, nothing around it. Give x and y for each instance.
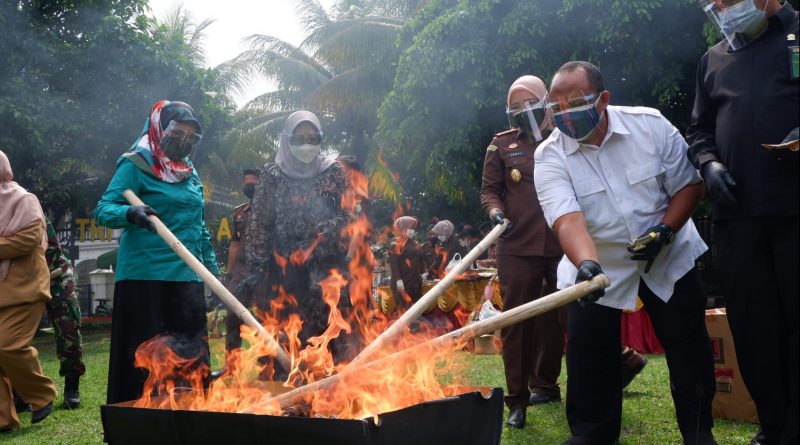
(20, 405)
(539, 398)
(72, 394)
(218, 373)
(632, 368)
(759, 438)
(573, 441)
(516, 418)
(41, 413)
(700, 438)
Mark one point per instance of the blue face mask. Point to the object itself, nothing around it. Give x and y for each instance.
(740, 18)
(577, 123)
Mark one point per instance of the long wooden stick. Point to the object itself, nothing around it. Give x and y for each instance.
(233, 304)
(452, 339)
(429, 298)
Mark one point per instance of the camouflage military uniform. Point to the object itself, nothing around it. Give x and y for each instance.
(63, 310)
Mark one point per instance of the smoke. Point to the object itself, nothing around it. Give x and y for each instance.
(76, 84)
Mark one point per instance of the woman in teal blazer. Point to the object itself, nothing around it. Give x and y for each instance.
(156, 294)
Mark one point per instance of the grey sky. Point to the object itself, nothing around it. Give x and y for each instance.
(235, 20)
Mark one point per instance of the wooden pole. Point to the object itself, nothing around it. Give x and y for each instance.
(429, 298)
(233, 304)
(454, 338)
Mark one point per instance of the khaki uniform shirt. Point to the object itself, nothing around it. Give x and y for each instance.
(241, 215)
(508, 186)
(28, 279)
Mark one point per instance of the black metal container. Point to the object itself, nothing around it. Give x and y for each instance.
(473, 417)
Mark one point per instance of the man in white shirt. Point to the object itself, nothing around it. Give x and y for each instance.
(616, 186)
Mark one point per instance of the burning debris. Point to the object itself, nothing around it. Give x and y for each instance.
(318, 383)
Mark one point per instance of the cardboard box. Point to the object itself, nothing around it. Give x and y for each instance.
(732, 400)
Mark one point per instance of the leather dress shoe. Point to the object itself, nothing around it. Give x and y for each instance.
(516, 418)
(20, 405)
(40, 414)
(759, 438)
(700, 438)
(539, 398)
(578, 441)
(632, 365)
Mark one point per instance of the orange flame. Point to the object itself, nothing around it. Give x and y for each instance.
(358, 189)
(440, 253)
(300, 256)
(361, 394)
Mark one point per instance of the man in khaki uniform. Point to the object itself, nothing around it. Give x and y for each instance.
(237, 268)
(24, 289)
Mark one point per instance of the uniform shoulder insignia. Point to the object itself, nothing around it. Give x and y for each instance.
(642, 110)
(491, 147)
(506, 132)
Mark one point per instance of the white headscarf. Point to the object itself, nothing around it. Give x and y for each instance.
(535, 86)
(443, 228)
(288, 164)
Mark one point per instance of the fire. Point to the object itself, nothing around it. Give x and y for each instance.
(440, 253)
(358, 189)
(364, 393)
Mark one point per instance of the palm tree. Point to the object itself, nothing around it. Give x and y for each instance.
(178, 30)
(342, 70)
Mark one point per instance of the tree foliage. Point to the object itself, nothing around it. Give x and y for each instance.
(77, 81)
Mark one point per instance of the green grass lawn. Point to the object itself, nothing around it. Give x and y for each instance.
(648, 416)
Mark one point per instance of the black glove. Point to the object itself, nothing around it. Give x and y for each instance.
(586, 271)
(650, 243)
(497, 218)
(138, 215)
(719, 183)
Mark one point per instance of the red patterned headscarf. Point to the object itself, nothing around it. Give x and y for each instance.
(147, 154)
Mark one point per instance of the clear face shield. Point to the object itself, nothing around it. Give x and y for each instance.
(179, 139)
(576, 117)
(529, 117)
(740, 21)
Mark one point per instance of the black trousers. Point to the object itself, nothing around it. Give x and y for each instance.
(532, 349)
(233, 334)
(143, 310)
(759, 263)
(594, 387)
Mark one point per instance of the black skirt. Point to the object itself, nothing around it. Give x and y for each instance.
(146, 309)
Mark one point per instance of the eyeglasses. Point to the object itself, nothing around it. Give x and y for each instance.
(191, 138)
(301, 139)
(563, 104)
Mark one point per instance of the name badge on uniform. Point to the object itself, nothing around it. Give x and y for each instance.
(794, 62)
(516, 176)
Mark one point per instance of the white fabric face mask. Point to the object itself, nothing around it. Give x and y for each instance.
(305, 153)
(410, 233)
(442, 238)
